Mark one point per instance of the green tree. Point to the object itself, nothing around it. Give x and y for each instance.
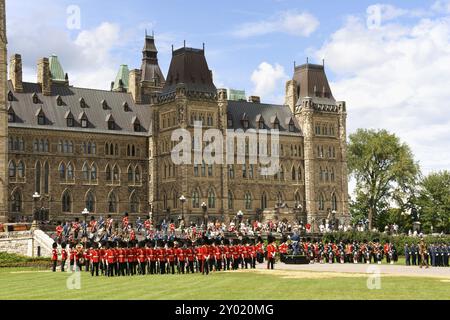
(434, 202)
(384, 170)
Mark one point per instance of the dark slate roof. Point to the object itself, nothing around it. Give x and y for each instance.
(313, 83)
(189, 66)
(238, 110)
(25, 110)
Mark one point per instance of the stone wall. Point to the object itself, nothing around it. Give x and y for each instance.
(26, 243)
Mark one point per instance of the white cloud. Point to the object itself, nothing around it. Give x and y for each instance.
(290, 22)
(267, 79)
(396, 77)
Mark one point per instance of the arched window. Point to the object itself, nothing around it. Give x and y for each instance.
(46, 146)
(21, 169)
(279, 199)
(231, 171)
(203, 169)
(41, 145)
(85, 172)
(333, 202)
(90, 201)
(62, 171)
(111, 149)
(93, 172)
(294, 176)
(282, 173)
(36, 145)
(116, 174)
(195, 199)
(37, 178)
(248, 201)
(332, 174)
(211, 199)
(230, 200)
(137, 175)
(134, 203)
(112, 203)
(16, 202)
(264, 201)
(12, 169)
(70, 172)
(66, 202)
(130, 174)
(299, 174)
(46, 177)
(297, 199)
(321, 202)
(108, 173)
(244, 171)
(93, 148)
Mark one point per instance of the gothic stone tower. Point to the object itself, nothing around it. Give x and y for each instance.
(3, 117)
(323, 123)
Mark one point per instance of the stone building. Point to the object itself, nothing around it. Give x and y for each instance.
(110, 151)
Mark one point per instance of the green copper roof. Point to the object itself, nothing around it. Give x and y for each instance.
(56, 69)
(236, 95)
(123, 74)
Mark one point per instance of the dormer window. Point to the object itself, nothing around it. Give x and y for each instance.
(10, 96)
(126, 108)
(82, 103)
(229, 121)
(35, 98)
(111, 122)
(59, 101)
(70, 122)
(83, 120)
(291, 126)
(104, 105)
(276, 125)
(245, 122)
(136, 124)
(40, 117)
(11, 115)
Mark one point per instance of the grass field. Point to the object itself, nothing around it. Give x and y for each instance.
(27, 283)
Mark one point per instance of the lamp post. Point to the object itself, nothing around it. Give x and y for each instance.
(36, 197)
(182, 200)
(85, 213)
(205, 214)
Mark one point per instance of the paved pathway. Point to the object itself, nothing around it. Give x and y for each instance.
(395, 270)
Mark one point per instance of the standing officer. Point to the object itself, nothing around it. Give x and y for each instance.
(414, 254)
(95, 258)
(271, 251)
(407, 255)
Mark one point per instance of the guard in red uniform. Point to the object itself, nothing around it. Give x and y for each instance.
(141, 258)
(125, 221)
(246, 254)
(122, 259)
(181, 257)
(102, 256)
(235, 256)
(87, 257)
(199, 255)
(151, 257)
(217, 254)
(190, 255)
(206, 257)
(63, 256)
(59, 231)
(110, 260)
(54, 256)
(283, 249)
(226, 254)
(73, 253)
(271, 251)
(171, 257)
(162, 259)
(95, 259)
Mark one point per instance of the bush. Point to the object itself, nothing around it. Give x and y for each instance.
(9, 260)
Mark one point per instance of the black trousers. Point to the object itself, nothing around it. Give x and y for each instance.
(142, 266)
(54, 263)
(152, 269)
(270, 263)
(94, 269)
(190, 267)
(63, 264)
(162, 267)
(171, 267)
(205, 266)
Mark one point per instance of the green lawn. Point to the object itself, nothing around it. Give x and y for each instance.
(26, 283)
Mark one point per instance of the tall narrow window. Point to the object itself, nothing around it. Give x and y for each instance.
(195, 199)
(321, 202)
(12, 169)
(130, 174)
(230, 200)
(62, 171)
(137, 175)
(21, 169)
(85, 172)
(108, 173)
(333, 202)
(16, 202)
(37, 178)
(94, 173)
(248, 201)
(211, 199)
(46, 177)
(90, 202)
(116, 174)
(264, 201)
(112, 203)
(70, 172)
(66, 202)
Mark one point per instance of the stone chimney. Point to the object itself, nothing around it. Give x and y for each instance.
(254, 99)
(134, 85)
(15, 72)
(43, 76)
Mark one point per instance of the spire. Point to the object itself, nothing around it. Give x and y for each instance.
(121, 82)
(151, 73)
(56, 70)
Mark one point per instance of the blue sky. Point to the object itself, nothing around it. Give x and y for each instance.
(394, 74)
